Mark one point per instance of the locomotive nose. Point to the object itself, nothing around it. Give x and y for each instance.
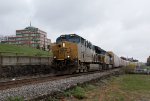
(63, 52)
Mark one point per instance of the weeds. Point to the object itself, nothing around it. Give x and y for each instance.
(52, 99)
(77, 92)
(15, 99)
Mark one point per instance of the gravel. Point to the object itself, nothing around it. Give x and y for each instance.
(41, 89)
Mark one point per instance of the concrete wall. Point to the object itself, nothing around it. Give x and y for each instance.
(24, 60)
(13, 66)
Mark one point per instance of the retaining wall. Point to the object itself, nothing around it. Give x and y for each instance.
(12, 66)
(24, 60)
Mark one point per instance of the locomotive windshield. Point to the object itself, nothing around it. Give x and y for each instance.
(71, 38)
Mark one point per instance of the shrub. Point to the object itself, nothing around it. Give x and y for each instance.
(78, 92)
(88, 87)
(130, 68)
(38, 54)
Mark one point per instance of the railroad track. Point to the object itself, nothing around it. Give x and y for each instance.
(21, 82)
(18, 83)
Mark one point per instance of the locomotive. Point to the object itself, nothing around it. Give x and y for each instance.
(72, 54)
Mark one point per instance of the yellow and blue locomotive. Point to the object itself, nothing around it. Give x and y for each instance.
(72, 53)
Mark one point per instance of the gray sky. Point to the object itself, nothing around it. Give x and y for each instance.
(122, 26)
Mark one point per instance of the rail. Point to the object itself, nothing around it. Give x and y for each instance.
(34, 80)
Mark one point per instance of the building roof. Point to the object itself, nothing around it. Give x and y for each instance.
(31, 28)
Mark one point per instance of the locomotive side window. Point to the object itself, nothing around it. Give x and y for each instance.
(93, 47)
(87, 44)
(90, 45)
(82, 41)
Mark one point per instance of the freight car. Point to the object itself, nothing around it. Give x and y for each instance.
(72, 53)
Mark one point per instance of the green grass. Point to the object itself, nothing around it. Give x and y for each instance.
(146, 67)
(15, 99)
(88, 87)
(115, 96)
(130, 87)
(52, 99)
(6, 49)
(135, 82)
(78, 92)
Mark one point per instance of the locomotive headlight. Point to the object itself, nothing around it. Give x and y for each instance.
(54, 57)
(68, 56)
(63, 44)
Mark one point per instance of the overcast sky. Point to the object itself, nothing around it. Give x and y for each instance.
(122, 26)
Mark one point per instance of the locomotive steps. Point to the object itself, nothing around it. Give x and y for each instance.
(35, 91)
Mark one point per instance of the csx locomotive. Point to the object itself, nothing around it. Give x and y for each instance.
(72, 53)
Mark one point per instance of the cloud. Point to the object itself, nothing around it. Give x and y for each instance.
(67, 14)
(118, 25)
(13, 15)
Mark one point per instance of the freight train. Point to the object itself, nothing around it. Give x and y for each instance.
(72, 54)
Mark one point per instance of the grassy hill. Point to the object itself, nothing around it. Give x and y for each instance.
(6, 49)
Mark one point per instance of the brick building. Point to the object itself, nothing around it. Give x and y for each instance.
(30, 36)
